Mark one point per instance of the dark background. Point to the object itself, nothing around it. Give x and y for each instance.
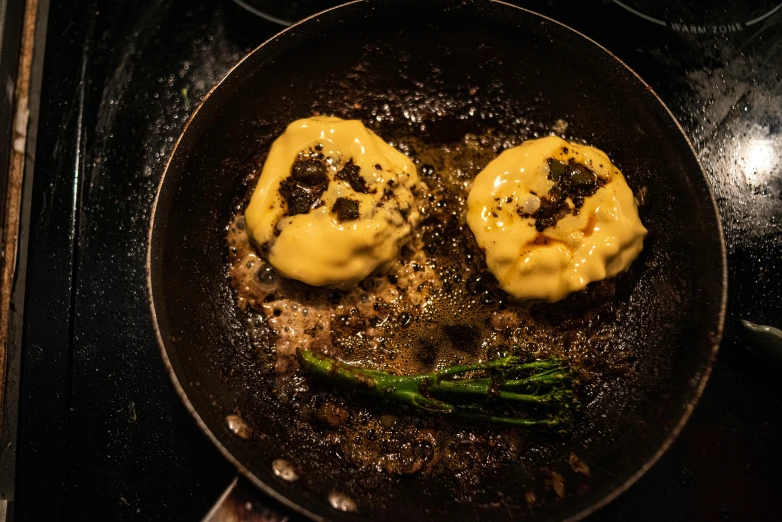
(102, 435)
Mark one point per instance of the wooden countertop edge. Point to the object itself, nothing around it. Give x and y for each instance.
(15, 177)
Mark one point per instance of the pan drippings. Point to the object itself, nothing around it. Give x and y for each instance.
(435, 306)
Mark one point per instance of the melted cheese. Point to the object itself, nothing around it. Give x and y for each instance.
(315, 247)
(598, 243)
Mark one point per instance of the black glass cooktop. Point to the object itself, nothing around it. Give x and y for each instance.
(102, 434)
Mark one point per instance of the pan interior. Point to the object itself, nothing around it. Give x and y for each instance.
(438, 74)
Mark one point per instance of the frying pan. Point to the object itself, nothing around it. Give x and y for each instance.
(440, 69)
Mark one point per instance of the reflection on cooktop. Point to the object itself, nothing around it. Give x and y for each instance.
(287, 12)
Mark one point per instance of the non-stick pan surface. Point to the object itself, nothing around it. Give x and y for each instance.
(440, 69)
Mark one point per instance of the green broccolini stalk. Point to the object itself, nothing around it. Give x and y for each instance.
(473, 392)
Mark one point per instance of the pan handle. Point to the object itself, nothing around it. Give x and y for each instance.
(240, 503)
(765, 340)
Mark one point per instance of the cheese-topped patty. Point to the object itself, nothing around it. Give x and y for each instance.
(552, 217)
(334, 202)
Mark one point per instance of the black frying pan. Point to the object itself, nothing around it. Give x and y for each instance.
(456, 67)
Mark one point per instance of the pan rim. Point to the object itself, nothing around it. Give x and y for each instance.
(716, 337)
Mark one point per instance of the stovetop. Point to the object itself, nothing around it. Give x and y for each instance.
(102, 434)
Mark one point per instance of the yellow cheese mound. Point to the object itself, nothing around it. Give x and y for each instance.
(599, 241)
(316, 247)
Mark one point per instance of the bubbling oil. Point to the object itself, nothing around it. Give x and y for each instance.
(433, 307)
(436, 305)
